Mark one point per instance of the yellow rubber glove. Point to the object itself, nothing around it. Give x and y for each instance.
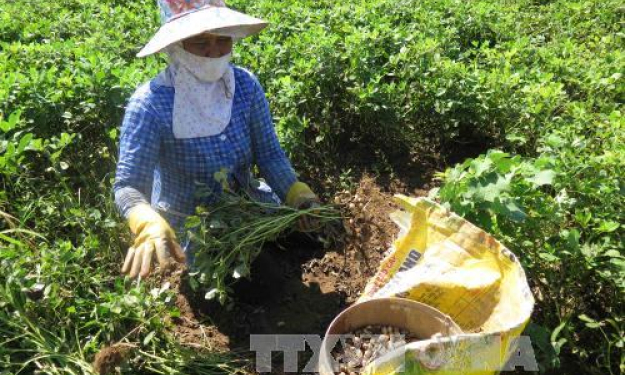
(301, 196)
(153, 235)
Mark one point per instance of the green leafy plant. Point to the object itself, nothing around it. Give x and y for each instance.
(229, 235)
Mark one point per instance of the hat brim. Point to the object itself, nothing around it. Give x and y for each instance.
(217, 20)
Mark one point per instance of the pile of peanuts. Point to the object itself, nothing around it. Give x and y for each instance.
(367, 344)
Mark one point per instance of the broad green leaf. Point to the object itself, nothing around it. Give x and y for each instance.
(619, 263)
(11, 122)
(193, 222)
(608, 226)
(514, 212)
(481, 166)
(494, 190)
(10, 151)
(548, 257)
(555, 140)
(544, 177)
(614, 254)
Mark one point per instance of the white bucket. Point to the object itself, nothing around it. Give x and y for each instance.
(419, 319)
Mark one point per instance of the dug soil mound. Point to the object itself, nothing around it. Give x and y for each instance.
(297, 286)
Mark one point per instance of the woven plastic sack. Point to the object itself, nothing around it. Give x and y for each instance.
(444, 261)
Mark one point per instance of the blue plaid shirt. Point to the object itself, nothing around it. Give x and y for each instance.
(177, 175)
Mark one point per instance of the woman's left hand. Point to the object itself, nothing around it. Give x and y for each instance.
(309, 223)
(301, 197)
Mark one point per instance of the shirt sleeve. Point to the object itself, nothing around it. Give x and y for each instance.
(138, 155)
(269, 156)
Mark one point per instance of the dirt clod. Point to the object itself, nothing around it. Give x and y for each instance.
(109, 358)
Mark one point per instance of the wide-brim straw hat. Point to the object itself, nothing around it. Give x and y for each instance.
(182, 19)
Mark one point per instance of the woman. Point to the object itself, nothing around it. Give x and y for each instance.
(200, 117)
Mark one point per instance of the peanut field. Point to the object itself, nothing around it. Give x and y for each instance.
(507, 112)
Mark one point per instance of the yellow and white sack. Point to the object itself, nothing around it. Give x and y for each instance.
(444, 261)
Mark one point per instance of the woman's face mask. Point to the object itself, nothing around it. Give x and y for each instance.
(205, 69)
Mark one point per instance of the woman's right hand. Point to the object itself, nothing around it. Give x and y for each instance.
(153, 235)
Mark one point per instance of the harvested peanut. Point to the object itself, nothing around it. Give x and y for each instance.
(368, 344)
